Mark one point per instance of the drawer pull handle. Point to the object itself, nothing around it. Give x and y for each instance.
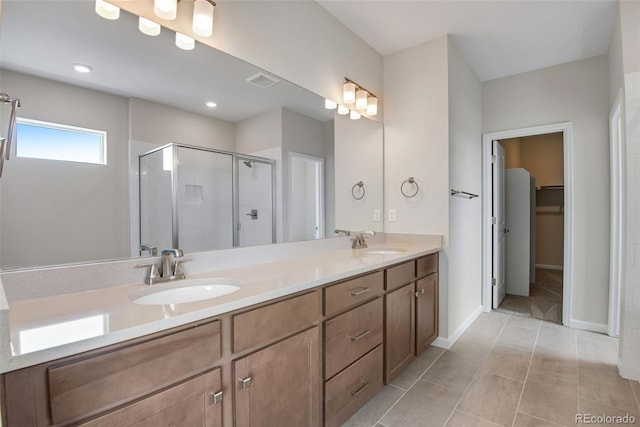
(362, 335)
(245, 383)
(365, 384)
(217, 397)
(359, 291)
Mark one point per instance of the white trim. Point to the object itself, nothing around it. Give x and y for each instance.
(567, 131)
(550, 267)
(320, 189)
(588, 326)
(447, 343)
(630, 374)
(617, 242)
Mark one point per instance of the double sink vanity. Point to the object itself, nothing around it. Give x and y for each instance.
(302, 337)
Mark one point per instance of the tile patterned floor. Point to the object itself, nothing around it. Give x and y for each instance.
(507, 370)
(544, 301)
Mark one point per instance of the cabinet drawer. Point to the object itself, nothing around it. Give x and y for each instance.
(352, 388)
(351, 292)
(275, 320)
(427, 265)
(400, 275)
(102, 382)
(350, 335)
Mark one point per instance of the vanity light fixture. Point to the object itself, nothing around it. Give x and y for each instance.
(211, 104)
(82, 68)
(148, 27)
(342, 110)
(185, 42)
(107, 10)
(165, 9)
(354, 115)
(203, 17)
(330, 105)
(359, 98)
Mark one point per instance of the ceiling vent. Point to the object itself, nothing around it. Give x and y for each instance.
(263, 80)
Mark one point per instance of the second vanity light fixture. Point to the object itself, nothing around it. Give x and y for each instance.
(357, 101)
(202, 21)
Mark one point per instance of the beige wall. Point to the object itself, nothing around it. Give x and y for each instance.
(577, 92)
(511, 153)
(542, 156)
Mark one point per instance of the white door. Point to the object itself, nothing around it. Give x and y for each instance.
(306, 197)
(499, 227)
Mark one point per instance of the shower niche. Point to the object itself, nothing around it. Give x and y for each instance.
(199, 199)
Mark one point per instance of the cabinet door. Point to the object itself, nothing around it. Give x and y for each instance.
(399, 330)
(278, 386)
(426, 312)
(188, 404)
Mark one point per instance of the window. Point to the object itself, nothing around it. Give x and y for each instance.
(51, 141)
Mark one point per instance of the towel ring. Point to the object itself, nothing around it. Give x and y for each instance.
(410, 180)
(353, 190)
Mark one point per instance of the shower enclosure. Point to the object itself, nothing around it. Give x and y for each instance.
(200, 199)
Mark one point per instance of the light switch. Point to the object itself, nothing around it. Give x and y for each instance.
(392, 215)
(376, 215)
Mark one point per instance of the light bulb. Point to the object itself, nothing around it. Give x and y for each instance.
(107, 10)
(361, 99)
(354, 115)
(148, 27)
(185, 42)
(372, 106)
(342, 110)
(349, 93)
(329, 104)
(203, 18)
(165, 9)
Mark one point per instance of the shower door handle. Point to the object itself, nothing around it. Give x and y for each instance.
(253, 214)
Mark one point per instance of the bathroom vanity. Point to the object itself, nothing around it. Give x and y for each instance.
(346, 322)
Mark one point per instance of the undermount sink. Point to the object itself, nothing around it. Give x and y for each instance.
(384, 251)
(188, 290)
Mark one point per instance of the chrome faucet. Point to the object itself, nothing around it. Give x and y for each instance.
(360, 242)
(345, 232)
(167, 271)
(153, 251)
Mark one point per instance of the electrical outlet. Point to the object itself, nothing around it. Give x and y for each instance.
(392, 215)
(376, 215)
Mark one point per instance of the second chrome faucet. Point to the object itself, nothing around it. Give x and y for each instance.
(170, 267)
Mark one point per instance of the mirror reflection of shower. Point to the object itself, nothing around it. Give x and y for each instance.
(195, 198)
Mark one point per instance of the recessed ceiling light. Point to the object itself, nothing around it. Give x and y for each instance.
(211, 104)
(82, 68)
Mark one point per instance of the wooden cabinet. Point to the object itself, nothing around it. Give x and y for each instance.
(399, 330)
(278, 385)
(196, 402)
(411, 312)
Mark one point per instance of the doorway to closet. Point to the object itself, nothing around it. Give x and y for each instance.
(528, 223)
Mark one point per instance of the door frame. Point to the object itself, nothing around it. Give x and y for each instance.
(618, 191)
(567, 136)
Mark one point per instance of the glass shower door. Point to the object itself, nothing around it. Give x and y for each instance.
(255, 202)
(156, 202)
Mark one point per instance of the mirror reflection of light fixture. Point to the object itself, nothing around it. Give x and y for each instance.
(342, 110)
(364, 100)
(107, 10)
(185, 42)
(349, 92)
(148, 27)
(165, 9)
(354, 115)
(330, 105)
(203, 17)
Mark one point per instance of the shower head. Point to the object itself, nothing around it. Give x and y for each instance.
(248, 163)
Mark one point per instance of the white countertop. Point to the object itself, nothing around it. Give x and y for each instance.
(55, 326)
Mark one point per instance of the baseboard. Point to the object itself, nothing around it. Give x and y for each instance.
(447, 343)
(630, 374)
(602, 328)
(549, 267)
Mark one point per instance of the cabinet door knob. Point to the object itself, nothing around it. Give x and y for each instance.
(360, 291)
(361, 335)
(365, 384)
(217, 397)
(245, 383)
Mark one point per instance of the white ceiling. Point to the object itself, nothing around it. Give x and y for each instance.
(496, 38)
